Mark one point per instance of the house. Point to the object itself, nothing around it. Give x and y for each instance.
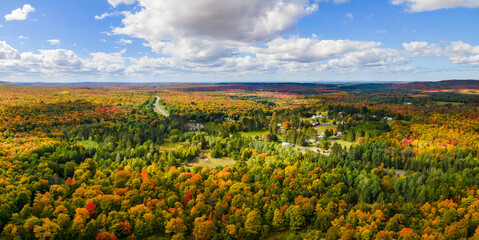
(285, 144)
(388, 118)
(315, 124)
(311, 141)
(408, 103)
(316, 117)
(194, 127)
(339, 133)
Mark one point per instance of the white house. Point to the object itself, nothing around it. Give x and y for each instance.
(285, 144)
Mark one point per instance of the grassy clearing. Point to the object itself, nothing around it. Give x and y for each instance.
(253, 134)
(168, 145)
(451, 103)
(213, 162)
(469, 91)
(344, 143)
(322, 129)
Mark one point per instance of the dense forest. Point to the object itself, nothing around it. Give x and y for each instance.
(240, 161)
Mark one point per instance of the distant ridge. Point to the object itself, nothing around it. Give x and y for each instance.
(345, 86)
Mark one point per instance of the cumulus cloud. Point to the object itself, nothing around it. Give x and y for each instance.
(311, 49)
(7, 52)
(20, 13)
(54, 41)
(106, 62)
(460, 52)
(293, 55)
(219, 25)
(349, 15)
(423, 49)
(368, 58)
(431, 5)
(115, 3)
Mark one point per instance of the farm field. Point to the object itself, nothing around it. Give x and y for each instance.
(100, 162)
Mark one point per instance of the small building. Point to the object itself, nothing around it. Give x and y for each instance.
(318, 116)
(339, 133)
(194, 127)
(286, 144)
(315, 124)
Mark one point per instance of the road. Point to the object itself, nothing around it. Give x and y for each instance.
(159, 109)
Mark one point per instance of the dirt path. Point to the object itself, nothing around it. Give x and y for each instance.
(159, 109)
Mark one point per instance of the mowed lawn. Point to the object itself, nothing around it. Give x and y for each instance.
(344, 143)
(322, 129)
(253, 134)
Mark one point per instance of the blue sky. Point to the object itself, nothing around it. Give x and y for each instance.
(249, 40)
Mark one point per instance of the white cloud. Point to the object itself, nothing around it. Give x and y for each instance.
(51, 60)
(54, 41)
(431, 5)
(22, 37)
(20, 13)
(350, 16)
(460, 52)
(311, 49)
(381, 32)
(279, 56)
(423, 49)
(368, 58)
(105, 15)
(115, 3)
(334, 1)
(106, 62)
(218, 25)
(457, 52)
(124, 41)
(7, 52)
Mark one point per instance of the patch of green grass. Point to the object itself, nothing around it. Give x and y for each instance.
(322, 129)
(446, 103)
(344, 143)
(168, 145)
(253, 133)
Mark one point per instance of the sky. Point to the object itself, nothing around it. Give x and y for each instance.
(231, 40)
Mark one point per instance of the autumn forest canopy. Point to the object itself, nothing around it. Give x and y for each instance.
(240, 161)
